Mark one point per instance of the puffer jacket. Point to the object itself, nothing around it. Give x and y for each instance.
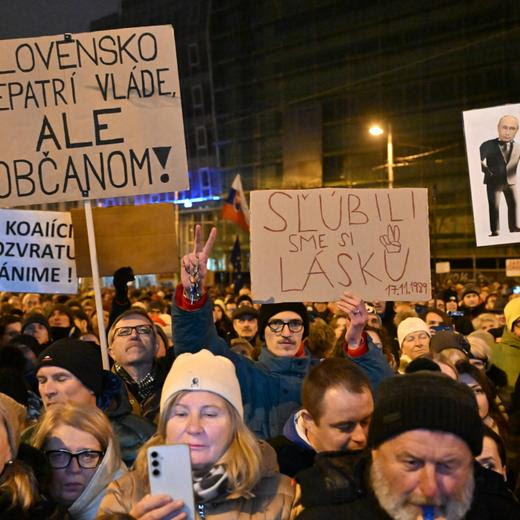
(85, 507)
(271, 386)
(273, 499)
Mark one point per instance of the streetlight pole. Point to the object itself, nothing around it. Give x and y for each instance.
(390, 156)
(377, 130)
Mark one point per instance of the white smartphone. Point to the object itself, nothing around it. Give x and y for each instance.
(169, 472)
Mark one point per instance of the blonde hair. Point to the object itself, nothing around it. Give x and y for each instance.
(480, 348)
(242, 458)
(89, 419)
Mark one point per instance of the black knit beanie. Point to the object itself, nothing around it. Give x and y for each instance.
(268, 310)
(81, 358)
(35, 317)
(425, 401)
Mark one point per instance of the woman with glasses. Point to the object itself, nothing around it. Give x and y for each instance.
(84, 456)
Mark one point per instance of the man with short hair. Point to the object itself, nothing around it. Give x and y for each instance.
(31, 302)
(132, 344)
(245, 323)
(337, 407)
(10, 327)
(424, 434)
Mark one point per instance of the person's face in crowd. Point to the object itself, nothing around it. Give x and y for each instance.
(88, 307)
(379, 306)
(451, 306)
(416, 344)
(480, 395)
(230, 308)
(246, 303)
(5, 449)
(507, 128)
(422, 467)
(471, 300)
(201, 420)
(488, 324)
(68, 483)
(437, 304)
(433, 320)
(57, 385)
(10, 331)
(490, 457)
(344, 420)
(373, 321)
(38, 331)
(58, 319)
(341, 326)
(217, 313)
(320, 306)
(284, 343)
(135, 348)
(491, 301)
(95, 324)
(81, 325)
(516, 328)
(30, 302)
(15, 301)
(246, 326)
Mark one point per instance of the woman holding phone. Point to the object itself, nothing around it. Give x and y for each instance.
(201, 406)
(84, 456)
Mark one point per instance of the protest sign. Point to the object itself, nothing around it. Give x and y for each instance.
(442, 267)
(311, 245)
(37, 252)
(512, 267)
(493, 156)
(140, 236)
(90, 115)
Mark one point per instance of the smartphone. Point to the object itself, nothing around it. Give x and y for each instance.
(439, 328)
(169, 472)
(455, 313)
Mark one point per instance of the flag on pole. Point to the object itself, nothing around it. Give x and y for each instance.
(235, 207)
(236, 262)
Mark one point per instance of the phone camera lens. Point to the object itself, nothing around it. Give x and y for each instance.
(155, 463)
(154, 454)
(156, 472)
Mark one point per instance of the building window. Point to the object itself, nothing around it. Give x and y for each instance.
(205, 182)
(193, 55)
(201, 138)
(196, 96)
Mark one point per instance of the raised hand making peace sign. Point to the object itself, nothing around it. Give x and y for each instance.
(194, 264)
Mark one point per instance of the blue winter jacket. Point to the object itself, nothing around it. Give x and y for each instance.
(270, 386)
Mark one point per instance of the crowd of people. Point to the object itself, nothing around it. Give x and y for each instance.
(360, 410)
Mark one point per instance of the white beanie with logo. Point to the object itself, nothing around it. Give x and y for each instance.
(206, 372)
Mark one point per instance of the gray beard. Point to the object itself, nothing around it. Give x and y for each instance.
(454, 508)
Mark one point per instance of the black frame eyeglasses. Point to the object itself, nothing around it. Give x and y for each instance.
(294, 325)
(86, 459)
(145, 330)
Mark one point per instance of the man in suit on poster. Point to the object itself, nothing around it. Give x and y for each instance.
(499, 158)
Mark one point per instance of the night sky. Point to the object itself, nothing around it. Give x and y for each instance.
(25, 18)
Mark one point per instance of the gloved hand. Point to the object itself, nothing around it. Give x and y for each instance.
(121, 278)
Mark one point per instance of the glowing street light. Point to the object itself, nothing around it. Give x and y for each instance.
(377, 130)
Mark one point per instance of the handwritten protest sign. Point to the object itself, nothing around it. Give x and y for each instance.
(311, 245)
(512, 267)
(141, 236)
(90, 115)
(37, 252)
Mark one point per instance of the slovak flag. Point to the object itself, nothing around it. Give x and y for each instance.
(235, 206)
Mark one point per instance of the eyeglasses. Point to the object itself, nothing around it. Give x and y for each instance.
(142, 330)
(87, 459)
(293, 325)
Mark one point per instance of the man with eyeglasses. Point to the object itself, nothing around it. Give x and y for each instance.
(132, 344)
(271, 386)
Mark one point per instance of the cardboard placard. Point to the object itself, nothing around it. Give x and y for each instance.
(37, 252)
(142, 237)
(493, 152)
(512, 267)
(311, 245)
(442, 267)
(90, 115)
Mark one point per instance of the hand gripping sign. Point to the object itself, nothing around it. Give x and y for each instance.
(311, 245)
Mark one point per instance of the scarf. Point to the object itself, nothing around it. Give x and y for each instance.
(208, 485)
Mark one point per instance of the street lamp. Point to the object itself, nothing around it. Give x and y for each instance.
(377, 130)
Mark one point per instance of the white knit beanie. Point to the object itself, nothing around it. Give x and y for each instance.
(409, 326)
(206, 372)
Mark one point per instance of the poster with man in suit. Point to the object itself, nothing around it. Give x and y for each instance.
(493, 157)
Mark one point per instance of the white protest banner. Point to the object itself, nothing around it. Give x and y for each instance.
(512, 267)
(442, 267)
(37, 252)
(493, 156)
(311, 245)
(90, 115)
